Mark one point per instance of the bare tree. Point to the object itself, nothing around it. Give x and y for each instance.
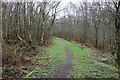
(117, 26)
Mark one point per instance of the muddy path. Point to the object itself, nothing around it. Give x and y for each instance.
(64, 69)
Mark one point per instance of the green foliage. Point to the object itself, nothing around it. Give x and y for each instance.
(8, 50)
(109, 56)
(106, 66)
(105, 60)
(85, 67)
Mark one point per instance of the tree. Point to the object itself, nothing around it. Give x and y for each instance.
(117, 26)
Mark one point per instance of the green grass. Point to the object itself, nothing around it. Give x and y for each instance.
(85, 67)
(49, 58)
(49, 61)
(57, 55)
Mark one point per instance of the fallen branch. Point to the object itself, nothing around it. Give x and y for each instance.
(21, 39)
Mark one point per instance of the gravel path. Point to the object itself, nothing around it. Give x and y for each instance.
(63, 70)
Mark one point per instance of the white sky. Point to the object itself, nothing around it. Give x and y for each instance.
(64, 2)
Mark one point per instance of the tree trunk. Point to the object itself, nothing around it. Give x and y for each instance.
(96, 36)
(117, 26)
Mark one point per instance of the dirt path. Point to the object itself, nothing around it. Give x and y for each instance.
(63, 70)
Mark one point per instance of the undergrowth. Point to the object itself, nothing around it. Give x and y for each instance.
(48, 62)
(44, 63)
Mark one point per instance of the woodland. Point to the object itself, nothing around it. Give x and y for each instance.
(43, 40)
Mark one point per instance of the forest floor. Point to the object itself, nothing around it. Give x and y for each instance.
(63, 59)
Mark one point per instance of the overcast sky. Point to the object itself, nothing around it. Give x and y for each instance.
(64, 2)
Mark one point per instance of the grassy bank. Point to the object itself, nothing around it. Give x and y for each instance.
(85, 67)
(48, 62)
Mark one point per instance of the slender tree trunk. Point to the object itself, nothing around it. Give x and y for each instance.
(96, 36)
(24, 25)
